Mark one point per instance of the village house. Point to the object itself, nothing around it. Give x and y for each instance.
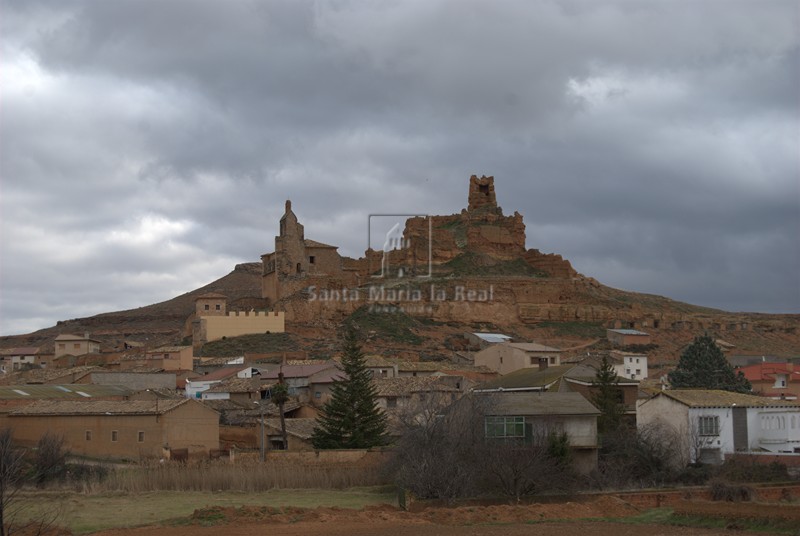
(195, 387)
(19, 358)
(240, 390)
(309, 381)
(713, 424)
(629, 365)
(571, 378)
(298, 434)
(627, 337)
(511, 356)
(12, 397)
(774, 380)
(521, 416)
(120, 430)
(171, 358)
(75, 345)
(394, 395)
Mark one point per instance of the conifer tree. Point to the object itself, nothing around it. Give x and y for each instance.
(703, 365)
(350, 419)
(607, 397)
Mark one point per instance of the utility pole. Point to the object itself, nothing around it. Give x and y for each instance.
(263, 451)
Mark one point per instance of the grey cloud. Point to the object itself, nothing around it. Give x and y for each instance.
(653, 144)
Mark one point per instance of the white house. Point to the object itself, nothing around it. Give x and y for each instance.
(629, 365)
(712, 424)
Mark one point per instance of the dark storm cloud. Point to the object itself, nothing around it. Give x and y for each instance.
(654, 144)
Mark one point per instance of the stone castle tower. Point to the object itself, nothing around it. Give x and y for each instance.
(481, 193)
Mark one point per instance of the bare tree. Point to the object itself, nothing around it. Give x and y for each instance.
(439, 450)
(535, 464)
(50, 458)
(11, 479)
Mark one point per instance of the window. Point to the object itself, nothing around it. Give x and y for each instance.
(218, 307)
(311, 259)
(88, 435)
(708, 425)
(77, 346)
(391, 402)
(62, 346)
(317, 394)
(638, 371)
(207, 307)
(533, 360)
(114, 435)
(140, 437)
(505, 427)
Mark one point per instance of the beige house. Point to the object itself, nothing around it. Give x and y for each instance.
(75, 345)
(171, 358)
(510, 356)
(120, 429)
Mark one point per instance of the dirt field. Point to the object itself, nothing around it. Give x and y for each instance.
(395, 528)
(536, 519)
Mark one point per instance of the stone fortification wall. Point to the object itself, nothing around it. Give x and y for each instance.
(238, 323)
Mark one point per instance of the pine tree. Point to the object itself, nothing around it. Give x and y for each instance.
(607, 397)
(703, 365)
(350, 419)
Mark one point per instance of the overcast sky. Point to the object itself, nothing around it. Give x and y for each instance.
(148, 147)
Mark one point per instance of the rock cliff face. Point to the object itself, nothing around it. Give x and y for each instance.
(464, 269)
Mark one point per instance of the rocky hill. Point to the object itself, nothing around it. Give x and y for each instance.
(479, 277)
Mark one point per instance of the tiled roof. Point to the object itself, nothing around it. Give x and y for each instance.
(68, 337)
(532, 347)
(219, 374)
(168, 349)
(706, 398)
(302, 428)
(21, 350)
(240, 385)
(528, 378)
(524, 403)
(767, 371)
(99, 407)
(297, 371)
(80, 391)
(40, 375)
(405, 386)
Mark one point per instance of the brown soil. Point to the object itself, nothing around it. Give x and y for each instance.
(587, 518)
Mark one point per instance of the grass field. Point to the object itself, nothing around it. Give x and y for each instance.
(84, 514)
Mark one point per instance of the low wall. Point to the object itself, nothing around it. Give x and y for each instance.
(655, 499)
(330, 457)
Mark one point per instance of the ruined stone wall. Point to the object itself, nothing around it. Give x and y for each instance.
(552, 264)
(326, 261)
(481, 193)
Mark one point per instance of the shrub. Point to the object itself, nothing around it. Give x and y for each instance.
(724, 491)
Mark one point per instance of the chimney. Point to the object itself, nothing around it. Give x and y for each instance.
(543, 362)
